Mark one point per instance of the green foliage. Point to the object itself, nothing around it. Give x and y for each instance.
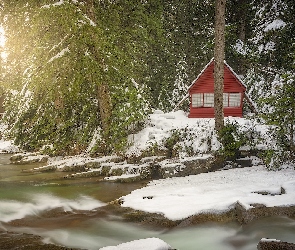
(171, 143)
(281, 111)
(231, 140)
(152, 150)
(274, 159)
(59, 82)
(72, 57)
(181, 142)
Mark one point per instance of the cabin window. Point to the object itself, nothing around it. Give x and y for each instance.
(197, 100)
(231, 99)
(208, 100)
(202, 100)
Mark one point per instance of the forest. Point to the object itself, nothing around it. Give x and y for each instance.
(76, 71)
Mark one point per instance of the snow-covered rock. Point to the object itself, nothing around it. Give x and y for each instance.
(266, 244)
(28, 158)
(143, 244)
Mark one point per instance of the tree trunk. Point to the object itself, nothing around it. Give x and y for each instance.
(292, 146)
(219, 63)
(105, 105)
(103, 91)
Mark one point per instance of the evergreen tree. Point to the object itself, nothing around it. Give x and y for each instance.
(281, 110)
(77, 80)
(270, 77)
(238, 31)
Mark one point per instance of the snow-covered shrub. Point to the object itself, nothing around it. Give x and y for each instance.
(231, 140)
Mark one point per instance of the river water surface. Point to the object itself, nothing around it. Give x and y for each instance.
(70, 212)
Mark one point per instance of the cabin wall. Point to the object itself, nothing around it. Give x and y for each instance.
(205, 83)
(209, 112)
(202, 112)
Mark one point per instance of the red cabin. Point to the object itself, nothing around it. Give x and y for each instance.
(201, 93)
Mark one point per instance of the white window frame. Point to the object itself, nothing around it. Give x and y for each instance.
(206, 100)
(225, 100)
(234, 99)
(197, 100)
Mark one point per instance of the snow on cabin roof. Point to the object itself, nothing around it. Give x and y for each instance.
(235, 74)
(187, 95)
(201, 73)
(229, 67)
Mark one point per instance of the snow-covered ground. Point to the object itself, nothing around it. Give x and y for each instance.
(197, 133)
(5, 145)
(8, 147)
(180, 197)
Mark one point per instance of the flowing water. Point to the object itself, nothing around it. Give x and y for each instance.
(70, 212)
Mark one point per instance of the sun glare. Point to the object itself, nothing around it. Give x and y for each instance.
(2, 37)
(3, 54)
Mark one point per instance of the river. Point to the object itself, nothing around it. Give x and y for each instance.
(70, 212)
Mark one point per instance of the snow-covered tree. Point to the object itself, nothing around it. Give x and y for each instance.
(77, 78)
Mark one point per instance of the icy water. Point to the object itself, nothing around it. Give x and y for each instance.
(71, 213)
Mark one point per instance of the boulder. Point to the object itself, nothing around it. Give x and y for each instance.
(273, 244)
(245, 216)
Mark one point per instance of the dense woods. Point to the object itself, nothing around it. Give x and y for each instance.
(80, 76)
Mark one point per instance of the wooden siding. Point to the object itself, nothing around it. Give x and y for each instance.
(209, 112)
(205, 84)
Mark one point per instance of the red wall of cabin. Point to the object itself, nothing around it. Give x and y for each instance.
(209, 112)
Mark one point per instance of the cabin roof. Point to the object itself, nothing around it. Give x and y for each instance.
(208, 64)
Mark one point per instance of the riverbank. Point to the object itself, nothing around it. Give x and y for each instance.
(21, 241)
(182, 190)
(185, 191)
(44, 220)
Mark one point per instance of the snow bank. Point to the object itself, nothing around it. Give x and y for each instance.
(78, 160)
(160, 125)
(8, 147)
(199, 133)
(144, 244)
(181, 197)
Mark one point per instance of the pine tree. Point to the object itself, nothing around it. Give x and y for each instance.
(270, 77)
(77, 79)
